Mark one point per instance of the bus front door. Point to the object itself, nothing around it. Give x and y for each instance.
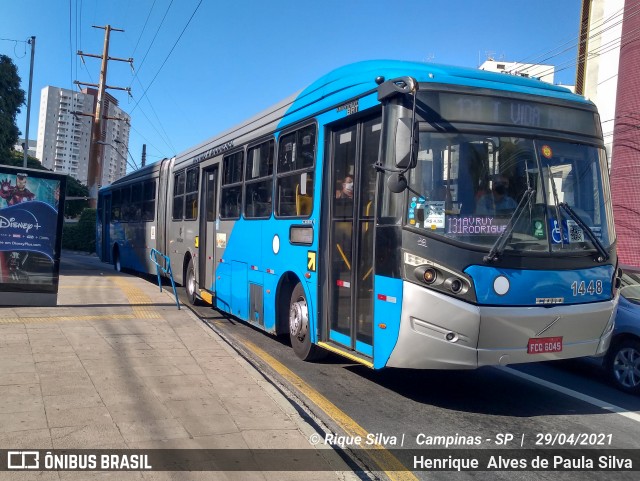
(352, 178)
(207, 244)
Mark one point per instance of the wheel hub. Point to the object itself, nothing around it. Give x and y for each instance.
(298, 319)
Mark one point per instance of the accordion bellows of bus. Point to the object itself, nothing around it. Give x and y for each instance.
(397, 213)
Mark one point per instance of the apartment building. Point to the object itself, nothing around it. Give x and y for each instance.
(64, 133)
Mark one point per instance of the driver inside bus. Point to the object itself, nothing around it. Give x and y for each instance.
(498, 200)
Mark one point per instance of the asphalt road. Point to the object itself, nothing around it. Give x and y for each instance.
(525, 407)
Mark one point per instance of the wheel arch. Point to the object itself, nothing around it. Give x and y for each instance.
(284, 290)
(188, 256)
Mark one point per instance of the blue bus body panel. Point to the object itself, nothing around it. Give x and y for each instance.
(356, 79)
(387, 311)
(123, 235)
(262, 266)
(530, 287)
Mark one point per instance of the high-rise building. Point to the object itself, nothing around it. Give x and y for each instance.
(598, 60)
(64, 133)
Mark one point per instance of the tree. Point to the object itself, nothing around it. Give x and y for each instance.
(11, 98)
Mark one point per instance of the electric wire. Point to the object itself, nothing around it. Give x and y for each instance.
(168, 55)
(572, 43)
(143, 28)
(151, 44)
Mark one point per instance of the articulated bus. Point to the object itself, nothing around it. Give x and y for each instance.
(400, 214)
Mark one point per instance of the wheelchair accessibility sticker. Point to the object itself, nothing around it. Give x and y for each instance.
(571, 232)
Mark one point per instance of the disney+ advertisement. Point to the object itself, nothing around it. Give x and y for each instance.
(30, 230)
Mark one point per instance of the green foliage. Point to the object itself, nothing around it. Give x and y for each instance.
(11, 98)
(16, 159)
(81, 235)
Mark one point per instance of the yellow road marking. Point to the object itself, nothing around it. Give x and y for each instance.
(86, 286)
(110, 317)
(393, 468)
(329, 347)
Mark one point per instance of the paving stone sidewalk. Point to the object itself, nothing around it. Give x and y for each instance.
(117, 366)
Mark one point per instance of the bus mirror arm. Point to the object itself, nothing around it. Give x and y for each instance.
(400, 85)
(397, 183)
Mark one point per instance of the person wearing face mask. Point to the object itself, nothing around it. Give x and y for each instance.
(498, 200)
(346, 190)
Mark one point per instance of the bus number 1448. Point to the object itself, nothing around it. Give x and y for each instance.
(594, 287)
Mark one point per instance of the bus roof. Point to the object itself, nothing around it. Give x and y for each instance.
(357, 79)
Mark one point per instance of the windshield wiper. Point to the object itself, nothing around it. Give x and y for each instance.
(501, 241)
(604, 255)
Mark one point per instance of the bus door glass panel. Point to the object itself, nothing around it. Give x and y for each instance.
(355, 150)
(367, 185)
(344, 160)
(207, 232)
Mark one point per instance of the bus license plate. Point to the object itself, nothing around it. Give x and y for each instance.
(541, 345)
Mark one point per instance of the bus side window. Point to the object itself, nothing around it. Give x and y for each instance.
(294, 184)
(259, 181)
(231, 194)
(191, 194)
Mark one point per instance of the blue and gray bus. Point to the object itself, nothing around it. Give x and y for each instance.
(400, 214)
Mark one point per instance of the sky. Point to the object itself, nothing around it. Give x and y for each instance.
(203, 66)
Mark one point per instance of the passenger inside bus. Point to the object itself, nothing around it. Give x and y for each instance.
(344, 188)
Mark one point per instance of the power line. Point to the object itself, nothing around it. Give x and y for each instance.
(169, 54)
(16, 42)
(143, 28)
(151, 45)
(573, 42)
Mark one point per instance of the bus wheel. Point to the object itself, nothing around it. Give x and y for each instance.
(190, 284)
(299, 327)
(116, 260)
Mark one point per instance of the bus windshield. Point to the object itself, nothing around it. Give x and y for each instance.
(467, 187)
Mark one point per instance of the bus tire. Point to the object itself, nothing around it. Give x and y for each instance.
(117, 265)
(299, 327)
(190, 284)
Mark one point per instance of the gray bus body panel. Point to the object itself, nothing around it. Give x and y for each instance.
(487, 336)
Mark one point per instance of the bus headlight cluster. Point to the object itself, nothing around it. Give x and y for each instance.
(445, 280)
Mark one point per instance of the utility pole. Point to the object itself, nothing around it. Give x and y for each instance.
(94, 177)
(144, 154)
(31, 42)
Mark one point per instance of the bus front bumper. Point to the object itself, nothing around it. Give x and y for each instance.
(441, 332)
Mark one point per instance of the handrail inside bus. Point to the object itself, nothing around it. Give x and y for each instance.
(166, 269)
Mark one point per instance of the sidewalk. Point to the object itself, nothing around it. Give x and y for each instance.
(117, 366)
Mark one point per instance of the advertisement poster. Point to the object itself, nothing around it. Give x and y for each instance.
(30, 233)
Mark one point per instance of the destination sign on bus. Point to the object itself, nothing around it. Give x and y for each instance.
(511, 111)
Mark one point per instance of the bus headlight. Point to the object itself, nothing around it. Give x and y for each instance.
(428, 275)
(456, 285)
